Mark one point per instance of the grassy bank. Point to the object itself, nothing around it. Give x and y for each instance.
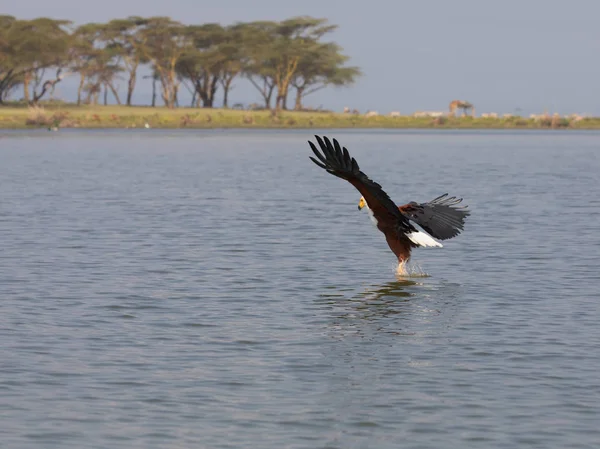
(68, 116)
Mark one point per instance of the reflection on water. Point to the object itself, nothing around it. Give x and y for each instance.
(389, 307)
(391, 290)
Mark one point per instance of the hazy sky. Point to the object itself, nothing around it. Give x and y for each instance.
(500, 55)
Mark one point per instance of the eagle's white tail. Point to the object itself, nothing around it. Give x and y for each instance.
(423, 239)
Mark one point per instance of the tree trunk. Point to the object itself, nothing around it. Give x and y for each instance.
(207, 101)
(268, 96)
(105, 94)
(166, 93)
(281, 102)
(206, 86)
(171, 87)
(283, 79)
(201, 94)
(284, 100)
(50, 84)
(213, 90)
(164, 87)
(282, 97)
(153, 91)
(115, 93)
(225, 99)
(298, 105)
(26, 80)
(226, 87)
(266, 91)
(130, 87)
(80, 89)
(168, 89)
(4, 83)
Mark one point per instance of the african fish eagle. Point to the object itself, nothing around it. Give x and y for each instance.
(440, 218)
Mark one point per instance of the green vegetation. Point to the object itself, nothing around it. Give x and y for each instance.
(72, 116)
(275, 57)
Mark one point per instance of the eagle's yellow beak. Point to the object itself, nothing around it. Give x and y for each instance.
(362, 203)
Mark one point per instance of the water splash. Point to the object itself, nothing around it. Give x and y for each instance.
(410, 269)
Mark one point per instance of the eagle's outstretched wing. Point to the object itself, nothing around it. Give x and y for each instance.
(440, 217)
(337, 161)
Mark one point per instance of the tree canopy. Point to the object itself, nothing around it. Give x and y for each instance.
(274, 56)
(28, 47)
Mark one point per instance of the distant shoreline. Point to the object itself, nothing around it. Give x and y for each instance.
(58, 116)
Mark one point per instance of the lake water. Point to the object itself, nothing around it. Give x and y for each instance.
(216, 289)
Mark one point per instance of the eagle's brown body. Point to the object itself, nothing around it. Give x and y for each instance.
(401, 247)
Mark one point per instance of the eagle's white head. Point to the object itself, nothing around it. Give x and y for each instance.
(362, 203)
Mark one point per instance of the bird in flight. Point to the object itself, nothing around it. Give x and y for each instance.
(440, 218)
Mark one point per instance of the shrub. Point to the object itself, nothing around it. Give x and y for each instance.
(37, 116)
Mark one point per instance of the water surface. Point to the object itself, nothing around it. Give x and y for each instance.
(216, 289)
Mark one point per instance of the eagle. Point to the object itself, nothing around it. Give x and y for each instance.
(440, 218)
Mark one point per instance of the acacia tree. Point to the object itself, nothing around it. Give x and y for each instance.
(322, 66)
(163, 42)
(258, 68)
(234, 59)
(294, 38)
(155, 78)
(276, 51)
(27, 46)
(122, 37)
(103, 71)
(85, 55)
(7, 82)
(261, 77)
(12, 65)
(203, 61)
(262, 58)
(98, 65)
